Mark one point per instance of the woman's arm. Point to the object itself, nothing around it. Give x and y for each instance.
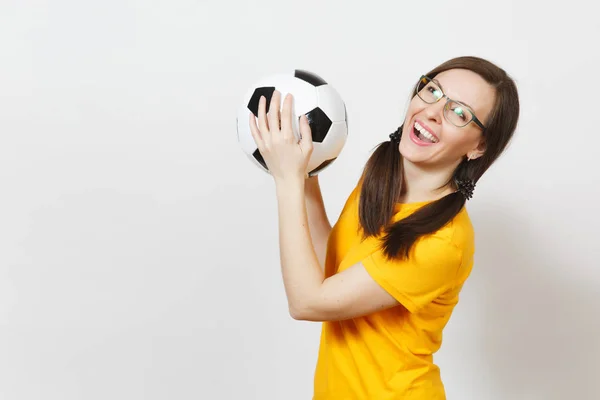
(318, 223)
(344, 295)
(349, 294)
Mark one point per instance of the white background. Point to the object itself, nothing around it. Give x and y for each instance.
(138, 244)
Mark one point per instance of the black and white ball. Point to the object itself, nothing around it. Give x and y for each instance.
(313, 96)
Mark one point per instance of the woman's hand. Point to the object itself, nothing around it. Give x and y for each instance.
(286, 157)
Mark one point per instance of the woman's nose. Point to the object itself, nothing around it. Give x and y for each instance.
(435, 111)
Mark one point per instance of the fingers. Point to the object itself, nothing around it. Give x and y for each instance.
(306, 142)
(263, 124)
(274, 110)
(286, 117)
(277, 123)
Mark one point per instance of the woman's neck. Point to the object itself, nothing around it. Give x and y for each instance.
(421, 184)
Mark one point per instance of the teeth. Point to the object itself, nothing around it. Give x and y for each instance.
(425, 133)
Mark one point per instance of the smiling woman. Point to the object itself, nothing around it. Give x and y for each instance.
(386, 278)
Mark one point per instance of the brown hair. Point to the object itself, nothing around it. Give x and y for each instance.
(382, 178)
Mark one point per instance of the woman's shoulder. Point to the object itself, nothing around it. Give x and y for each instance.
(459, 231)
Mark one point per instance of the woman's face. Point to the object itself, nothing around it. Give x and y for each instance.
(445, 144)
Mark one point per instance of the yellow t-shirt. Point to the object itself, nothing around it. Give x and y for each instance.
(389, 354)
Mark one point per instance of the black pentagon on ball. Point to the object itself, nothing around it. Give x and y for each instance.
(258, 157)
(319, 124)
(261, 91)
(309, 77)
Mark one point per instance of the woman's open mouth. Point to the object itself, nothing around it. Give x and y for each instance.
(422, 136)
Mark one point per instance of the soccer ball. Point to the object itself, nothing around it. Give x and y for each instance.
(314, 97)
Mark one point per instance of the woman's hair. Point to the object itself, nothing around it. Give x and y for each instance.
(382, 178)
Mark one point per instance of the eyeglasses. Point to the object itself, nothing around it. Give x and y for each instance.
(455, 112)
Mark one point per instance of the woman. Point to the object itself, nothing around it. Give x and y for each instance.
(402, 249)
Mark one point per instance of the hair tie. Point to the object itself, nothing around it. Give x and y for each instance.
(395, 136)
(466, 187)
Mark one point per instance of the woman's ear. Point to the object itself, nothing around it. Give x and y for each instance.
(478, 151)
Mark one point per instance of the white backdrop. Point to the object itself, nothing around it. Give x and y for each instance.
(138, 244)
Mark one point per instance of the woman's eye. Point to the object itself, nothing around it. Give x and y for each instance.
(437, 93)
(459, 111)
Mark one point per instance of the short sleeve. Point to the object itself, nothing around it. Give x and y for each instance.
(430, 270)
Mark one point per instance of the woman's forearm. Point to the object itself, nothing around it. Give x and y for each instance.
(302, 273)
(318, 223)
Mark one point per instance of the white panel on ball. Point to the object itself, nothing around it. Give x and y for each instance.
(243, 129)
(331, 103)
(320, 153)
(336, 139)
